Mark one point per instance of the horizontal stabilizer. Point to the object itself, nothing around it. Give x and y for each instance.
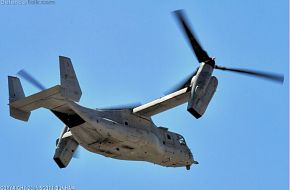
(49, 98)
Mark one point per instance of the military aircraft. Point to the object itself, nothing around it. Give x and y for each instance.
(123, 133)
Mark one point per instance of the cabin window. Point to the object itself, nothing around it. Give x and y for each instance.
(168, 137)
(126, 123)
(181, 140)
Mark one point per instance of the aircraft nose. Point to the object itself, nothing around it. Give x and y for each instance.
(190, 156)
(191, 159)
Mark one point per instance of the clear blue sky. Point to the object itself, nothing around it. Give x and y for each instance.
(128, 51)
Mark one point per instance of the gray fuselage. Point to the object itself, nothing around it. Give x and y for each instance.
(120, 134)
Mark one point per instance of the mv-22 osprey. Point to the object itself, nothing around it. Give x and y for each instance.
(125, 133)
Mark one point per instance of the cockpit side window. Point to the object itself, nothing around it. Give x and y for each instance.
(181, 140)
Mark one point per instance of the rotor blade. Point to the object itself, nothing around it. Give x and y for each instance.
(123, 106)
(182, 84)
(25, 75)
(200, 54)
(268, 76)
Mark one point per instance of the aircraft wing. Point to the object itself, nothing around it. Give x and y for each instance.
(164, 103)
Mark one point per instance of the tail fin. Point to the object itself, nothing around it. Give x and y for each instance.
(16, 93)
(55, 98)
(69, 80)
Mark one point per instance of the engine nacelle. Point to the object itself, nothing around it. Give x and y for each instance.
(200, 98)
(64, 151)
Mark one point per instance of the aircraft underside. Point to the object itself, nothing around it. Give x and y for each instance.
(134, 149)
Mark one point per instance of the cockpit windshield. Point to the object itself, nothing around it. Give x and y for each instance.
(181, 140)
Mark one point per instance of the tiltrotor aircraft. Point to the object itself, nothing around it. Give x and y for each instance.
(124, 133)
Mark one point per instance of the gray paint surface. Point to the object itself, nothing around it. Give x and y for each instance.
(126, 134)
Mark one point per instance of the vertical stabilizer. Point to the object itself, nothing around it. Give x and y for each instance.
(16, 93)
(69, 80)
